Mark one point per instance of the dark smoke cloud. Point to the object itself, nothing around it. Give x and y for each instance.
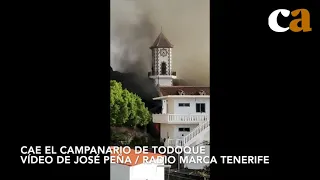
(141, 86)
(144, 88)
(135, 24)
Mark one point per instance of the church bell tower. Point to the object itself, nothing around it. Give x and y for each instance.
(161, 72)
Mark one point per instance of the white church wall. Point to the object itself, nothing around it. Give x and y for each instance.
(170, 60)
(164, 81)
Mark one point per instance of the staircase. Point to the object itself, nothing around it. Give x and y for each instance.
(195, 133)
(192, 137)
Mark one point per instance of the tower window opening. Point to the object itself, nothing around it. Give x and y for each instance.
(163, 68)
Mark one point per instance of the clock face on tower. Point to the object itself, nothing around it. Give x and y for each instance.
(163, 52)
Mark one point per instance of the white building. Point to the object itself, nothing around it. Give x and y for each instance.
(137, 169)
(185, 117)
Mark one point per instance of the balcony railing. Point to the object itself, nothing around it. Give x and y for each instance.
(180, 118)
(173, 73)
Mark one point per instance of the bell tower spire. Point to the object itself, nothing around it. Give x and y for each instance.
(162, 73)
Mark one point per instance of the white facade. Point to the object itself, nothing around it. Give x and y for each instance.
(119, 172)
(181, 112)
(144, 171)
(199, 142)
(159, 57)
(173, 104)
(185, 121)
(162, 67)
(185, 116)
(147, 172)
(162, 80)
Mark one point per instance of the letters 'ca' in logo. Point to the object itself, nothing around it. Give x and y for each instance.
(293, 26)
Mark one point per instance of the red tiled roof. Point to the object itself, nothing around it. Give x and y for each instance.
(135, 158)
(187, 90)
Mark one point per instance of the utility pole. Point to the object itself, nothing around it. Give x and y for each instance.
(178, 162)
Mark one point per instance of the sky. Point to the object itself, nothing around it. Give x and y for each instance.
(135, 24)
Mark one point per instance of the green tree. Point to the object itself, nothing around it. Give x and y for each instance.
(126, 108)
(142, 112)
(118, 105)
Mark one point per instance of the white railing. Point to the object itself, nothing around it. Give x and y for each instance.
(180, 118)
(196, 131)
(189, 137)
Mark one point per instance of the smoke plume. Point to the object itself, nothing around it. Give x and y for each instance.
(135, 24)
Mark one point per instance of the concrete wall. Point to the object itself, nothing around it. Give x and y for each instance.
(171, 105)
(164, 81)
(166, 130)
(192, 109)
(138, 172)
(146, 172)
(198, 165)
(119, 172)
(164, 106)
(201, 138)
(173, 130)
(181, 134)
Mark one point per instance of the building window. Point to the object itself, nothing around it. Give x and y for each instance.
(163, 68)
(184, 104)
(200, 107)
(184, 129)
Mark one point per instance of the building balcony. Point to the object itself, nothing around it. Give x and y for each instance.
(180, 118)
(173, 73)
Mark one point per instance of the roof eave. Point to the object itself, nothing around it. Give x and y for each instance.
(152, 47)
(181, 96)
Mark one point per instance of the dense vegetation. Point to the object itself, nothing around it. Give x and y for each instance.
(127, 111)
(126, 108)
